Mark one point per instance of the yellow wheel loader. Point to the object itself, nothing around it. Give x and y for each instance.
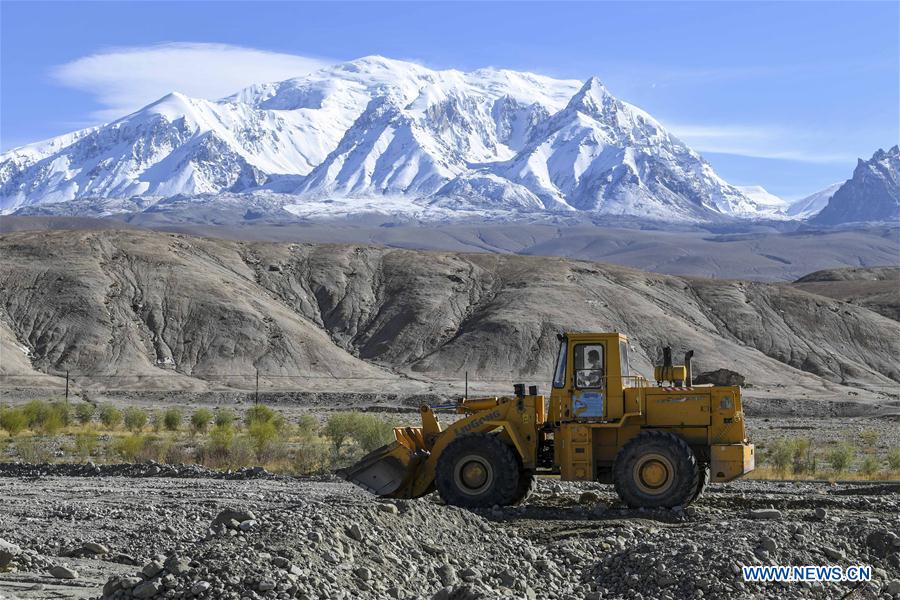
(658, 444)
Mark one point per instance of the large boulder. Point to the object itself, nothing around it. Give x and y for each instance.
(720, 377)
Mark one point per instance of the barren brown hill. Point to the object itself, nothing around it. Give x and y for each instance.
(169, 310)
(876, 288)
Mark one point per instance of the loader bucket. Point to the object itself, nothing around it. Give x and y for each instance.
(389, 470)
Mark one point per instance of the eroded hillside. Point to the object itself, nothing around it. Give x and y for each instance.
(181, 311)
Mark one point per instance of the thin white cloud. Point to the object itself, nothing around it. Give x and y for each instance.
(756, 142)
(124, 79)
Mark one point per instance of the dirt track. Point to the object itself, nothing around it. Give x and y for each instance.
(327, 539)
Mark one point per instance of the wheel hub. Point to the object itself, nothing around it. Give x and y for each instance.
(654, 474)
(473, 474)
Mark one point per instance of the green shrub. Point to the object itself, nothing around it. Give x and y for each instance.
(242, 453)
(224, 417)
(86, 443)
(217, 450)
(226, 449)
(155, 448)
(781, 455)
(13, 420)
(893, 459)
(200, 420)
(172, 419)
(84, 412)
(110, 416)
(263, 414)
(48, 417)
(841, 457)
(262, 434)
(368, 431)
(869, 437)
(307, 427)
(34, 450)
(130, 447)
(869, 465)
(311, 456)
(135, 419)
(36, 411)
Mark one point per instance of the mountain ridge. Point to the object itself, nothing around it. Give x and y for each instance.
(490, 139)
(179, 311)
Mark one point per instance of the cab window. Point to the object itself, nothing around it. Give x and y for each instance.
(559, 375)
(623, 359)
(588, 361)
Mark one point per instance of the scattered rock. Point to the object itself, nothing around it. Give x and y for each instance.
(723, 377)
(147, 589)
(447, 574)
(588, 498)
(95, 548)
(229, 516)
(200, 587)
(833, 554)
(63, 572)
(355, 532)
(771, 514)
(152, 569)
(8, 551)
(388, 508)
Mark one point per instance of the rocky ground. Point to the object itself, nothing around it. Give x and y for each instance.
(80, 532)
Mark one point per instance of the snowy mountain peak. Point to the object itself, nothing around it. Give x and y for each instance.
(872, 194)
(378, 128)
(593, 99)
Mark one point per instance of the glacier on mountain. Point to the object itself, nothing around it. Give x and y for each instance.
(380, 134)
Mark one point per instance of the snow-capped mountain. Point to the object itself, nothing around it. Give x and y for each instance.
(765, 200)
(379, 129)
(812, 204)
(872, 194)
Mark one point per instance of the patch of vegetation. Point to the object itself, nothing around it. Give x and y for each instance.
(841, 457)
(893, 459)
(172, 419)
(110, 416)
(135, 419)
(84, 412)
(367, 431)
(13, 420)
(200, 420)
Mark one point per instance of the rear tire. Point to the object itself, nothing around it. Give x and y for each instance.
(527, 485)
(656, 469)
(478, 471)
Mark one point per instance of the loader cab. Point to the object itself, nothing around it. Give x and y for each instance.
(590, 376)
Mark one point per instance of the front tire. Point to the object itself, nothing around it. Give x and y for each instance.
(478, 471)
(656, 469)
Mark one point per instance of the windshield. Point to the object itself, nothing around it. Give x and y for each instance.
(559, 375)
(623, 359)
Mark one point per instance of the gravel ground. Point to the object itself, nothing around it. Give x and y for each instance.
(265, 537)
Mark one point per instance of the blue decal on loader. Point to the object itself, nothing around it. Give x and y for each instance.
(588, 404)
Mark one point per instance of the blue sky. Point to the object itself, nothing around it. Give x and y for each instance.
(786, 95)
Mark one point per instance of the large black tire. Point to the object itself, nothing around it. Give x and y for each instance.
(477, 471)
(527, 485)
(656, 469)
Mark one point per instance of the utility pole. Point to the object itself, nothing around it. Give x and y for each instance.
(256, 401)
(67, 386)
(466, 397)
